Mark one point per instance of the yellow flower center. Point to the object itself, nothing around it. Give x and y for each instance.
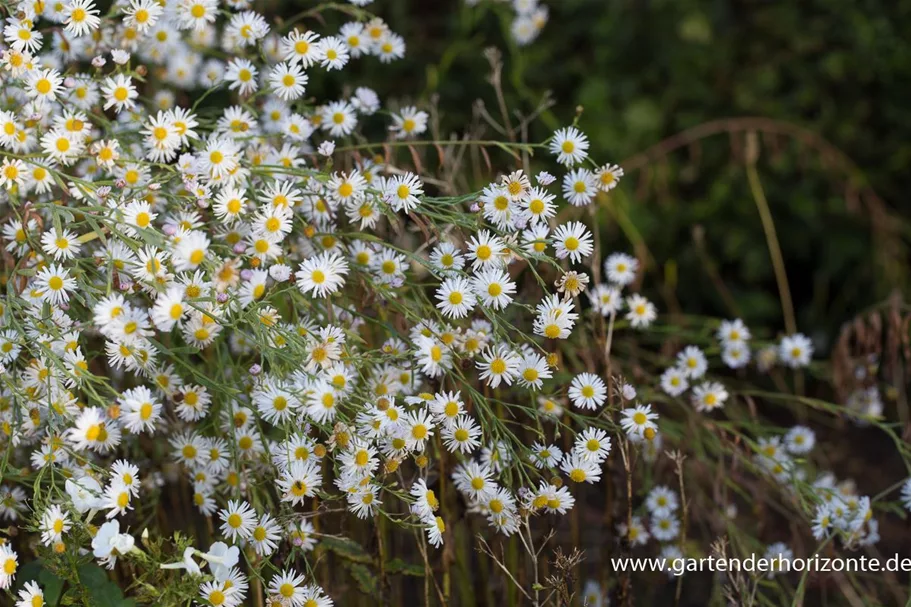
(361, 458)
(436, 354)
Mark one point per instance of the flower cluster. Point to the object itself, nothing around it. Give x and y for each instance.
(145, 234)
(235, 295)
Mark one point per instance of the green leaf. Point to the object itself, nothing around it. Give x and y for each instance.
(28, 572)
(397, 565)
(34, 571)
(52, 586)
(366, 581)
(347, 549)
(102, 591)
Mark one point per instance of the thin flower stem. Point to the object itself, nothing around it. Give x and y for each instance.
(768, 226)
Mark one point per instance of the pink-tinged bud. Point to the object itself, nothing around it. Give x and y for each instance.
(169, 229)
(99, 61)
(256, 370)
(246, 274)
(221, 298)
(239, 248)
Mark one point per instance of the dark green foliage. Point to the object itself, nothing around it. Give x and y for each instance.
(95, 588)
(101, 590)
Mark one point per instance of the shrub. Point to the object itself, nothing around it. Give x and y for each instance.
(262, 344)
